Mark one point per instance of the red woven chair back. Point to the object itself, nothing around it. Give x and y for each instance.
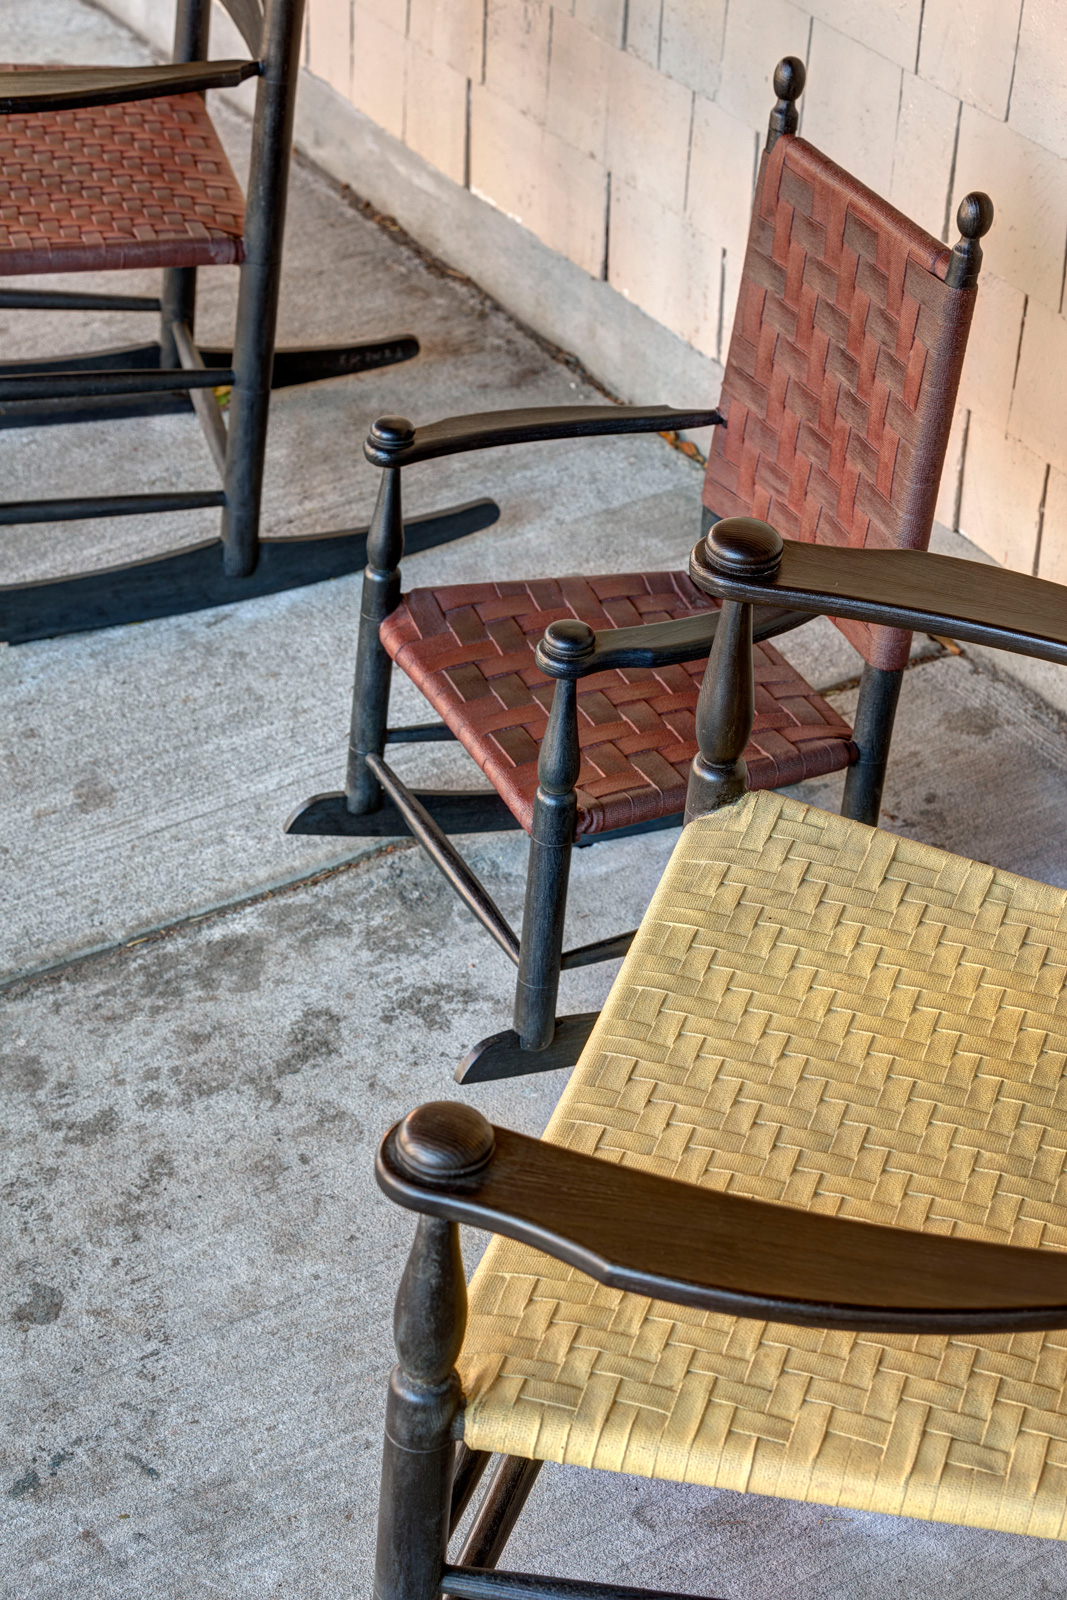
(842, 373)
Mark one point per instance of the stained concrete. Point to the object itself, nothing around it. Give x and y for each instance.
(194, 1317)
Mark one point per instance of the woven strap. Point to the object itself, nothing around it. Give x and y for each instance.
(146, 184)
(842, 373)
(826, 1016)
(470, 649)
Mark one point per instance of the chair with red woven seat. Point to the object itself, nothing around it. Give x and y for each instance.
(833, 420)
(121, 168)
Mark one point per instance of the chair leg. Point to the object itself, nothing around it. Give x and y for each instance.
(177, 303)
(508, 1491)
(555, 816)
(539, 1041)
(872, 731)
(424, 1401)
(257, 304)
(541, 945)
(374, 666)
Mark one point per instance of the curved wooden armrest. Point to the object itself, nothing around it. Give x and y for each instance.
(66, 88)
(393, 442)
(674, 1241)
(652, 644)
(901, 588)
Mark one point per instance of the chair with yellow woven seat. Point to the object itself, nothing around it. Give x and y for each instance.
(832, 420)
(798, 1225)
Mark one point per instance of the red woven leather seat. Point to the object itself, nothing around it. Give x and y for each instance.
(145, 184)
(470, 649)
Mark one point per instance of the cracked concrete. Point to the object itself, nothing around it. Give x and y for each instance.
(195, 1307)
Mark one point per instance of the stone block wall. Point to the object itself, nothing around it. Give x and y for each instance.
(624, 135)
(591, 162)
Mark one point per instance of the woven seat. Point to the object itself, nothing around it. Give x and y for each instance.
(823, 1015)
(470, 649)
(144, 184)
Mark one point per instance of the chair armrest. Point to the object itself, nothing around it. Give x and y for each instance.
(649, 644)
(742, 559)
(673, 1241)
(393, 442)
(66, 88)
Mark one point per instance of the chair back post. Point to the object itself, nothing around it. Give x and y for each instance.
(257, 303)
(192, 26)
(380, 596)
(789, 78)
(974, 218)
(737, 546)
(555, 814)
(440, 1142)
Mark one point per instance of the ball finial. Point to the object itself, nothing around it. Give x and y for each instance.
(443, 1141)
(394, 432)
(789, 77)
(975, 215)
(975, 218)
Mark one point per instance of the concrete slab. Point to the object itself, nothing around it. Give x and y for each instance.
(195, 1333)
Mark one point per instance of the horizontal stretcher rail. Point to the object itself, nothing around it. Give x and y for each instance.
(108, 505)
(132, 380)
(484, 1583)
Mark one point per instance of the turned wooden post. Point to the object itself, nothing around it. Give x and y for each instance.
(380, 596)
(442, 1140)
(736, 547)
(555, 813)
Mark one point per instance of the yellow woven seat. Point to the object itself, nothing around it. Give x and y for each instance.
(828, 1016)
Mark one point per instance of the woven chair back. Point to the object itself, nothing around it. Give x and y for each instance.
(842, 373)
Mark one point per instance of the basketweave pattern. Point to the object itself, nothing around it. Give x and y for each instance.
(145, 184)
(470, 649)
(842, 371)
(824, 1015)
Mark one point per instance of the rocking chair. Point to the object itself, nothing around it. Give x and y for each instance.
(121, 167)
(834, 419)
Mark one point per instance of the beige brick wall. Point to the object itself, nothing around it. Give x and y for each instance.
(624, 135)
(620, 138)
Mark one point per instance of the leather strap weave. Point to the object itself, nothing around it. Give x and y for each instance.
(842, 373)
(146, 184)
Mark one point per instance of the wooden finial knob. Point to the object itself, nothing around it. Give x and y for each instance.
(387, 438)
(392, 433)
(789, 77)
(974, 219)
(742, 547)
(568, 641)
(442, 1141)
(975, 215)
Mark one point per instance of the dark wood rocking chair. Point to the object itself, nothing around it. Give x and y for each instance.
(121, 167)
(822, 1115)
(833, 419)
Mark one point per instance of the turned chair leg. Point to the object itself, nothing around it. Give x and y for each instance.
(551, 843)
(380, 597)
(257, 300)
(872, 731)
(424, 1401)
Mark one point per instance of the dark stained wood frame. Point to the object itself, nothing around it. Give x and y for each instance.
(175, 372)
(644, 1234)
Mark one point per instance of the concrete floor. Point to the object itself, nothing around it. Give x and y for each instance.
(206, 1026)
